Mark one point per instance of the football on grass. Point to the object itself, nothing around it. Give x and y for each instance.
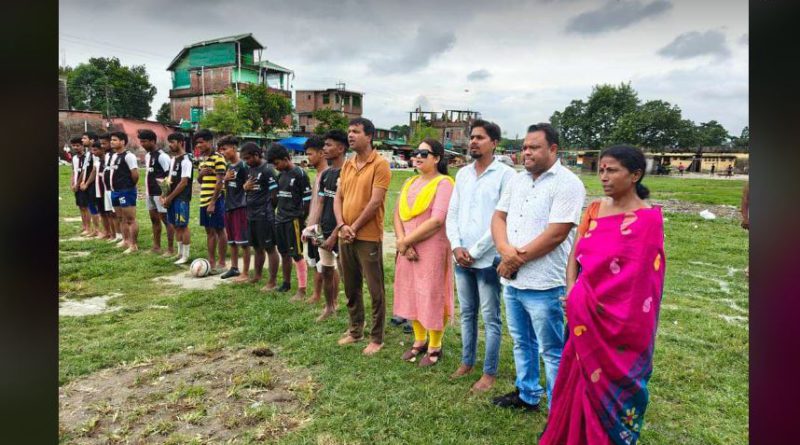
(199, 267)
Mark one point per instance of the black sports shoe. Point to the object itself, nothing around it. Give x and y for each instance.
(232, 272)
(397, 321)
(285, 287)
(407, 328)
(512, 400)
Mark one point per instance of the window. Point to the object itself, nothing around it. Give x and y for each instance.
(309, 97)
(356, 101)
(336, 98)
(326, 98)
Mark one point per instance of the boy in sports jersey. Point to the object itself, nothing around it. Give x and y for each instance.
(157, 163)
(316, 158)
(261, 194)
(235, 209)
(81, 199)
(335, 146)
(180, 193)
(124, 177)
(210, 171)
(96, 189)
(87, 183)
(294, 200)
(108, 207)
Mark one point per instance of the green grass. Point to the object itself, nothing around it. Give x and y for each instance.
(699, 389)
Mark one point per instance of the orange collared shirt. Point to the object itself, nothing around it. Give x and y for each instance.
(356, 188)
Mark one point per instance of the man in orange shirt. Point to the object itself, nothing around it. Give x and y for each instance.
(359, 208)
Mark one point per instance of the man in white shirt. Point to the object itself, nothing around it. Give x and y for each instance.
(477, 191)
(533, 228)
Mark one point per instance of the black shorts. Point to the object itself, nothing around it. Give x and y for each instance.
(82, 198)
(313, 251)
(287, 237)
(261, 233)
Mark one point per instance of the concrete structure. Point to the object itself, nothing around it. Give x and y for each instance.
(452, 126)
(202, 71)
(350, 103)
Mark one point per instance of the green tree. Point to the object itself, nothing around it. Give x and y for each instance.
(572, 125)
(743, 141)
(231, 115)
(105, 85)
(655, 124)
(422, 131)
(164, 114)
(264, 108)
(402, 130)
(605, 106)
(712, 134)
(328, 119)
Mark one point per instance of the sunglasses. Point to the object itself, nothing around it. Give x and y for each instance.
(421, 153)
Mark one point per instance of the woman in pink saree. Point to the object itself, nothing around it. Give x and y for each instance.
(615, 279)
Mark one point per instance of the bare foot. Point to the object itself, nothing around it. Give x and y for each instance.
(326, 314)
(485, 383)
(255, 279)
(298, 296)
(269, 287)
(461, 371)
(347, 339)
(131, 249)
(313, 300)
(372, 348)
(221, 265)
(241, 278)
(155, 250)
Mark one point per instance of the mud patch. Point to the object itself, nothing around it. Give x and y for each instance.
(72, 219)
(87, 306)
(185, 280)
(74, 254)
(211, 397)
(74, 238)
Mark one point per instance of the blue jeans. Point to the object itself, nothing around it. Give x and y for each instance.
(479, 288)
(536, 325)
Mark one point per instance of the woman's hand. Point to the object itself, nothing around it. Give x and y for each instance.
(411, 254)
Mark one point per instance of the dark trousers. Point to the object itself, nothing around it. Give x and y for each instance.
(364, 260)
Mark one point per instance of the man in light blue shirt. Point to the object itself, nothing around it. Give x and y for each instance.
(479, 187)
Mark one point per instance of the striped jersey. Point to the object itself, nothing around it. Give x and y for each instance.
(216, 162)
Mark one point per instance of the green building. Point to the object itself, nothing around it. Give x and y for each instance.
(202, 71)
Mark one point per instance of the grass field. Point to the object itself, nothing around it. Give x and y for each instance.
(699, 389)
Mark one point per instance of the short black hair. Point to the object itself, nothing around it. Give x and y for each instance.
(228, 140)
(315, 142)
(204, 134)
(550, 133)
(338, 136)
(369, 128)
(121, 135)
(75, 140)
(146, 135)
(176, 137)
(97, 144)
(492, 129)
(251, 148)
(104, 136)
(277, 151)
(91, 134)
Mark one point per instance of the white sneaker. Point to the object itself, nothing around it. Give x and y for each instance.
(182, 260)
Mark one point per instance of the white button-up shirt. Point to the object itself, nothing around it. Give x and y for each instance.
(556, 196)
(469, 215)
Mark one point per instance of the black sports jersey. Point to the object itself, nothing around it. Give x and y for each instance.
(155, 171)
(87, 166)
(234, 193)
(107, 170)
(258, 199)
(327, 190)
(121, 178)
(181, 167)
(294, 191)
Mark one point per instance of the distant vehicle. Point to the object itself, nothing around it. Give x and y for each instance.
(505, 160)
(399, 162)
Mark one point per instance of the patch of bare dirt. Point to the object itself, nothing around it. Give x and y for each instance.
(678, 206)
(87, 306)
(216, 396)
(185, 280)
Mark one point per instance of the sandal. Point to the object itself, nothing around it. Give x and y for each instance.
(426, 361)
(411, 354)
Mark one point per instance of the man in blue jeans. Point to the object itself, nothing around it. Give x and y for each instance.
(533, 229)
(477, 191)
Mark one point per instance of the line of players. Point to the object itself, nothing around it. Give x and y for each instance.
(247, 201)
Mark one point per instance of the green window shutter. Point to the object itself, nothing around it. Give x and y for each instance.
(180, 79)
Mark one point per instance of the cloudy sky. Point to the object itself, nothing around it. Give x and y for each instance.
(515, 61)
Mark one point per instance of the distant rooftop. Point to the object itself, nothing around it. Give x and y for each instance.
(245, 39)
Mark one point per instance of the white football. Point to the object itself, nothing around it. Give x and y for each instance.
(199, 267)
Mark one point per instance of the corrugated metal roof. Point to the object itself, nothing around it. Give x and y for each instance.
(275, 66)
(235, 38)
